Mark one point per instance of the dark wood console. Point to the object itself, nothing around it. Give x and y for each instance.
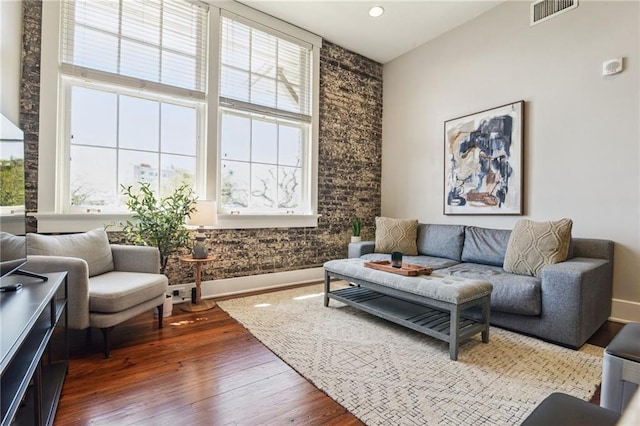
(34, 355)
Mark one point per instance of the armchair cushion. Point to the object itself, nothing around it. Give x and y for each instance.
(116, 291)
(93, 247)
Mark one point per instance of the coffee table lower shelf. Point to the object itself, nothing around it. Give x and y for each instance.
(424, 319)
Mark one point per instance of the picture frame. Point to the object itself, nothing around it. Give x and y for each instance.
(484, 159)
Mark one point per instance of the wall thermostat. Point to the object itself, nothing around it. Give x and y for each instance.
(612, 66)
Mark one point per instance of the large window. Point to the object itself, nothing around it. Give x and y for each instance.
(120, 139)
(134, 80)
(176, 91)
(265, 112)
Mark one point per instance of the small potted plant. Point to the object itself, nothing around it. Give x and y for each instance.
(356, 226)
(159, 222)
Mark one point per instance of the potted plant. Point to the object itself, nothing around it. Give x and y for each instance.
(159, 223)
(356, 226)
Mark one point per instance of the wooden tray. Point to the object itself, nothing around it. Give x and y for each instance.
(407, 269)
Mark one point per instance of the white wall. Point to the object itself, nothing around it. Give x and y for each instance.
(582, 130)
(10, 58)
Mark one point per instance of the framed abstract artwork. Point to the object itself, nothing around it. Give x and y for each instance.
(484, 162)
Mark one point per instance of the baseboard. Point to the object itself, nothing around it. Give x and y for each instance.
(240, 285)
(624, 311)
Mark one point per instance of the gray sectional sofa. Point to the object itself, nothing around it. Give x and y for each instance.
(566, 305)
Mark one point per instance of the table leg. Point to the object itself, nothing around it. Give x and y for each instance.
(486, 312)
(454, 337)
(327, 283)
(198, 283)
(200, 303)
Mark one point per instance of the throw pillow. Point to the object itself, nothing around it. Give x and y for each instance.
(92, 246)
(534, 245)
(396, 235)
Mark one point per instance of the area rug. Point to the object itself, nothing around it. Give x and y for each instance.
(385, 374)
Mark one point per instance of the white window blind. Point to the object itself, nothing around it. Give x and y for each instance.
(159, 45)
(264, 71)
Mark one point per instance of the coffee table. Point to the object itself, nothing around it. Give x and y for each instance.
(430, 304)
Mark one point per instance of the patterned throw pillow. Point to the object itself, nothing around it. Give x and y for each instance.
(533, 245)
(396, 235)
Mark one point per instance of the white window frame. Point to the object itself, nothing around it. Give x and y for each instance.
(261, 220)
(64, 144)
(51, 214)
(306, 180)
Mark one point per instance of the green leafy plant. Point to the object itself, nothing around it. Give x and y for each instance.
(159, 223)
(356, 225)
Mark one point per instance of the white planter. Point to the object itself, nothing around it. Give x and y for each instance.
(355, 239)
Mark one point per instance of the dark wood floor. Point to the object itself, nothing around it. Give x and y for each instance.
(201, 368)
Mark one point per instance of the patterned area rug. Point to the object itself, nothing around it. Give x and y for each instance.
(385, 374)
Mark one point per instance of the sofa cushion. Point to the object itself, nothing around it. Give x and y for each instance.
(396, 235)
(515, 294)
(534, 245)
(433, 262)
(441, 240)
(93, 247)
(485, 245)
(116, 291)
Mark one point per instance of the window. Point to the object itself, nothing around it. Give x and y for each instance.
(120, 139)
(265, 116)
(11, 169)
(134, 85)
(172, 91)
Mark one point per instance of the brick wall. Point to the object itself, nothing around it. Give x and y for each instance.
(349, 169)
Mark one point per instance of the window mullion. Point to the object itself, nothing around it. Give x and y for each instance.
(161, 44)
(119, 59)
(250, 81)
(117, 143)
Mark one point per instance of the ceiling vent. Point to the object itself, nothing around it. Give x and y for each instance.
(546, 9)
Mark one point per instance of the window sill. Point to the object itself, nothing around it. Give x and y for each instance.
(79, 222)
(82, 222)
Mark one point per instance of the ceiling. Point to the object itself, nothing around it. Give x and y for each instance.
(404, 25)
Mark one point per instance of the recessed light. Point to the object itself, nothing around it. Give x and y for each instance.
(376, 11)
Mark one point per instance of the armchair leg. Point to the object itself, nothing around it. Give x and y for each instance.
(106, 333)
(160, 315)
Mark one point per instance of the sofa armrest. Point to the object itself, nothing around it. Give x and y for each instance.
(77, 284)
(361, 248)
(591, 247)
(576, 297)
(128, 258)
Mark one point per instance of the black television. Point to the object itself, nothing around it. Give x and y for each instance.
(13, 251)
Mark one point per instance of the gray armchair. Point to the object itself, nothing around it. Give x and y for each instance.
(108, 283)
